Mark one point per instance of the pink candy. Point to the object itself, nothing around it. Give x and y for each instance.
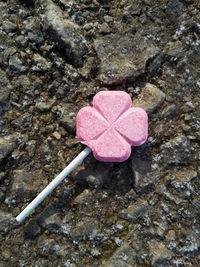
(111, 126)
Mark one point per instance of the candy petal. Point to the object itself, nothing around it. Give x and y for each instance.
(110, 146)
(133, 125)
(90, 124)
(112, 104)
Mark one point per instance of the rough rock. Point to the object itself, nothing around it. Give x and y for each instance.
(5, 220)
(9, 26)
(66, 33)
(52, 223)
(135, 211)
(176, 151)
(6, 147)
(68, 119)
(23, 121)
(181, 179)
(34, 33)
(5, 88)
(44, 106)
(40, 63)
(145, 178)
(123, 57)
(25, 185)
(161, 255)
(16, 63)
(169, 112)
(174, 50)
(87, 228)
(123, 257)
(94, 177)
(150, 98)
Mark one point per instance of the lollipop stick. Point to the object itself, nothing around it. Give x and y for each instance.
(50, 187)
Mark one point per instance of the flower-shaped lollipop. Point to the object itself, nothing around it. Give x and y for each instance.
(111, 126)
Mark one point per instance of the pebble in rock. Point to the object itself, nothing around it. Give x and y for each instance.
(66, 33)
(123, 57)
(150, 98)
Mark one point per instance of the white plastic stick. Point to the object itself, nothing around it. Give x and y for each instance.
(50, 187)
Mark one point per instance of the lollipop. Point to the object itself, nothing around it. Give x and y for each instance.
(109, 129)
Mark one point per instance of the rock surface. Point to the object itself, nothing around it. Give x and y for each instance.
(150, 98)
(123, 57)
(23, 186)
(66, 33)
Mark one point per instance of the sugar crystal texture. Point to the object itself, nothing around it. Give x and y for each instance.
(112, 126)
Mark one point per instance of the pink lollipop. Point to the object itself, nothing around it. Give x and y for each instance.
(109, 129)
(111, 126)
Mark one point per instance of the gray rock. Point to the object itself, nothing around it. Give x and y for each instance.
(135, 211)
(52, 223)
(16, 63)
(191, 242)
(174, 9)
(5, 88)
(123, 257)
(2, 176)
(169, 112)
(21, 40)
(94, 177)
(44, 106)
(40, 63)
(32, 26)
(5, 219)
(88, 68)
(161, 255)
(2, 195)
(145, 178)
(9, 26)
(182, 178)
(123, 57)
(23, 121)
(82, 198)
(87, 228)
(25, 185)
(67, 34)
(6, 147)
(158, 229)
(150, 98)
(176, 151)
(105, 28)
(68, 119)
(174, 50)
